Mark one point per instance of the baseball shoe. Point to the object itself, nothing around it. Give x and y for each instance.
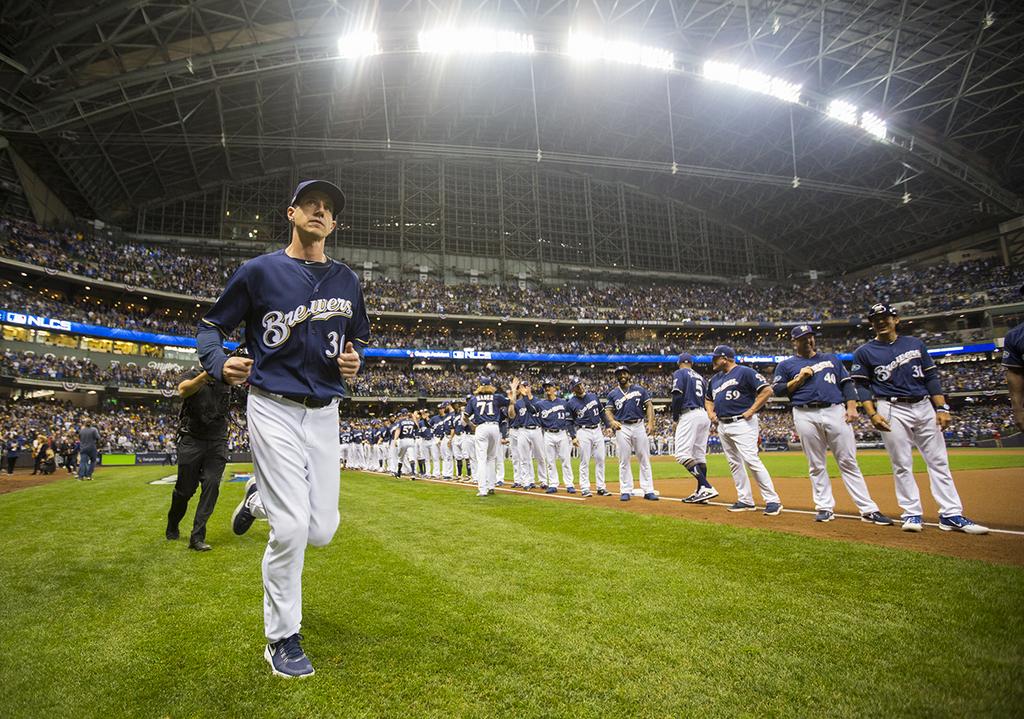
(651, 497)
(912, 523)
(773, 509)
(482, 494)
(624, 497)
(824, 515)
(551, 490)
(741, 507)
(286, 658)
(499, 484)
(603, 492)
(960, 523)
(570, 490)
(198, 546)
(242, 518)
(586, 493)
(876, 518)
(530, 486)
(172, 533)
(490, 491)
(516, 485)
(702, 495)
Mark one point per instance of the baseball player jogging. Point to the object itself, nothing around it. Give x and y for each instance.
(897, 378)
(629, 405)
(590, 421)
(692, 427)
(482, 411)
(737, 393)
(555, 422)
(818, 387)
(306, 328)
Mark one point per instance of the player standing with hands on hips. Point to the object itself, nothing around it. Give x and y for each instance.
(306, 329)
(628, 406)
(818, 386)
(737, 394)
(897, 378)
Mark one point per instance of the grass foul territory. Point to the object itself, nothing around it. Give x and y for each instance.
(433, 603)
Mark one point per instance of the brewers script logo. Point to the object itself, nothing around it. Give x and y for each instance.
(278, 325)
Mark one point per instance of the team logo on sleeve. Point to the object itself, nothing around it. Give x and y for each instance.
(278, 325)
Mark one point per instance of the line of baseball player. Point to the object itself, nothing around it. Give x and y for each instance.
(898, 394)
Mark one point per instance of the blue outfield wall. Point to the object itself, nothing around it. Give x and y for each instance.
(58, 325)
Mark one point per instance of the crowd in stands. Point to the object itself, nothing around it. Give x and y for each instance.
(78, 369)
(935, 288)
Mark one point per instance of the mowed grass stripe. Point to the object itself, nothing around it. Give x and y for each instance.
(433, 603)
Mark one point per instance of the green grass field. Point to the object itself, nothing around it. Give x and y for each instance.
(430, 602)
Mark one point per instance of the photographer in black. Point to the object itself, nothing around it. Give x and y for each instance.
(202, 452)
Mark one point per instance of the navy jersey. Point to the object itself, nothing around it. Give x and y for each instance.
(629, 405)
(554, 414)
(484, 408)
(734, 392)
(822, 386)
(690, 386)
(357, 436)
(406, 429)
(526, 415)
(586, 411)
(894, 369)
(425, 432)
(459, 425)
(437, 423)
(345, 437)
(1013, 348)
(296, 323)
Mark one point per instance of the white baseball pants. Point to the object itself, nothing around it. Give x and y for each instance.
(433, 457)
(447, 458)
(531, 443)
(632, 439)
(295, 453)
(488, 445)
(405, 452)
(913, 425)
(822, 429)
(739, 443)
(557, 449)
(691, 440)
(591, 449)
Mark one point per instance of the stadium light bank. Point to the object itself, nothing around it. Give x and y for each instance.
(587, 47)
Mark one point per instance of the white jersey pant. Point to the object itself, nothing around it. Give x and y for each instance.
(632, 439)
(518, 465)
(392, 461)
(913, 425)
(739, 444)
(343, 454)
(557, 449)
(380, 455)
(460, 445)
(433, 456)
(405, 453)
(488, 444)
(822, 429)
(468, 444)
(295, 454)
(499, 466)
(445, 449)
(691, 440)
(591, 450)
(421, 449)
(532, 448)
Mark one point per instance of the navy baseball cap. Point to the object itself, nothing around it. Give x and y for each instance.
(724, 351)
(622, 368)
(485, 379)
(573, 381)
(880, 309)
(548, 382)
(328, 188)
(685, 357)
(801, 330)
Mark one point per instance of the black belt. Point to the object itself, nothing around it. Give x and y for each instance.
(306, 400)
(630, 421)
(689, 409)
(588, 426)
(907, 400)
(552, 430)
(816, 405)
(730, 420)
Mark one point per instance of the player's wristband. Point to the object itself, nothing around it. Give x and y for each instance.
(943, 408)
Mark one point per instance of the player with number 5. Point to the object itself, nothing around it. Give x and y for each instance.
(306, 328)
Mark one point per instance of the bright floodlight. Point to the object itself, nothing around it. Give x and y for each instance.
(873, 125)
(477, 41)
(583, 46)
(753, 80)
(843, 111)
(358, 44)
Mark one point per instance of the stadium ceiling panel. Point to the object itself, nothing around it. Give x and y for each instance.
(139, 103)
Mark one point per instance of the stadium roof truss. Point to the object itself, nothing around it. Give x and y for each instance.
(145, 104)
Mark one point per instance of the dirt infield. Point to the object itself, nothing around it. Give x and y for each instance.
(23, 479)
(993, 497)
